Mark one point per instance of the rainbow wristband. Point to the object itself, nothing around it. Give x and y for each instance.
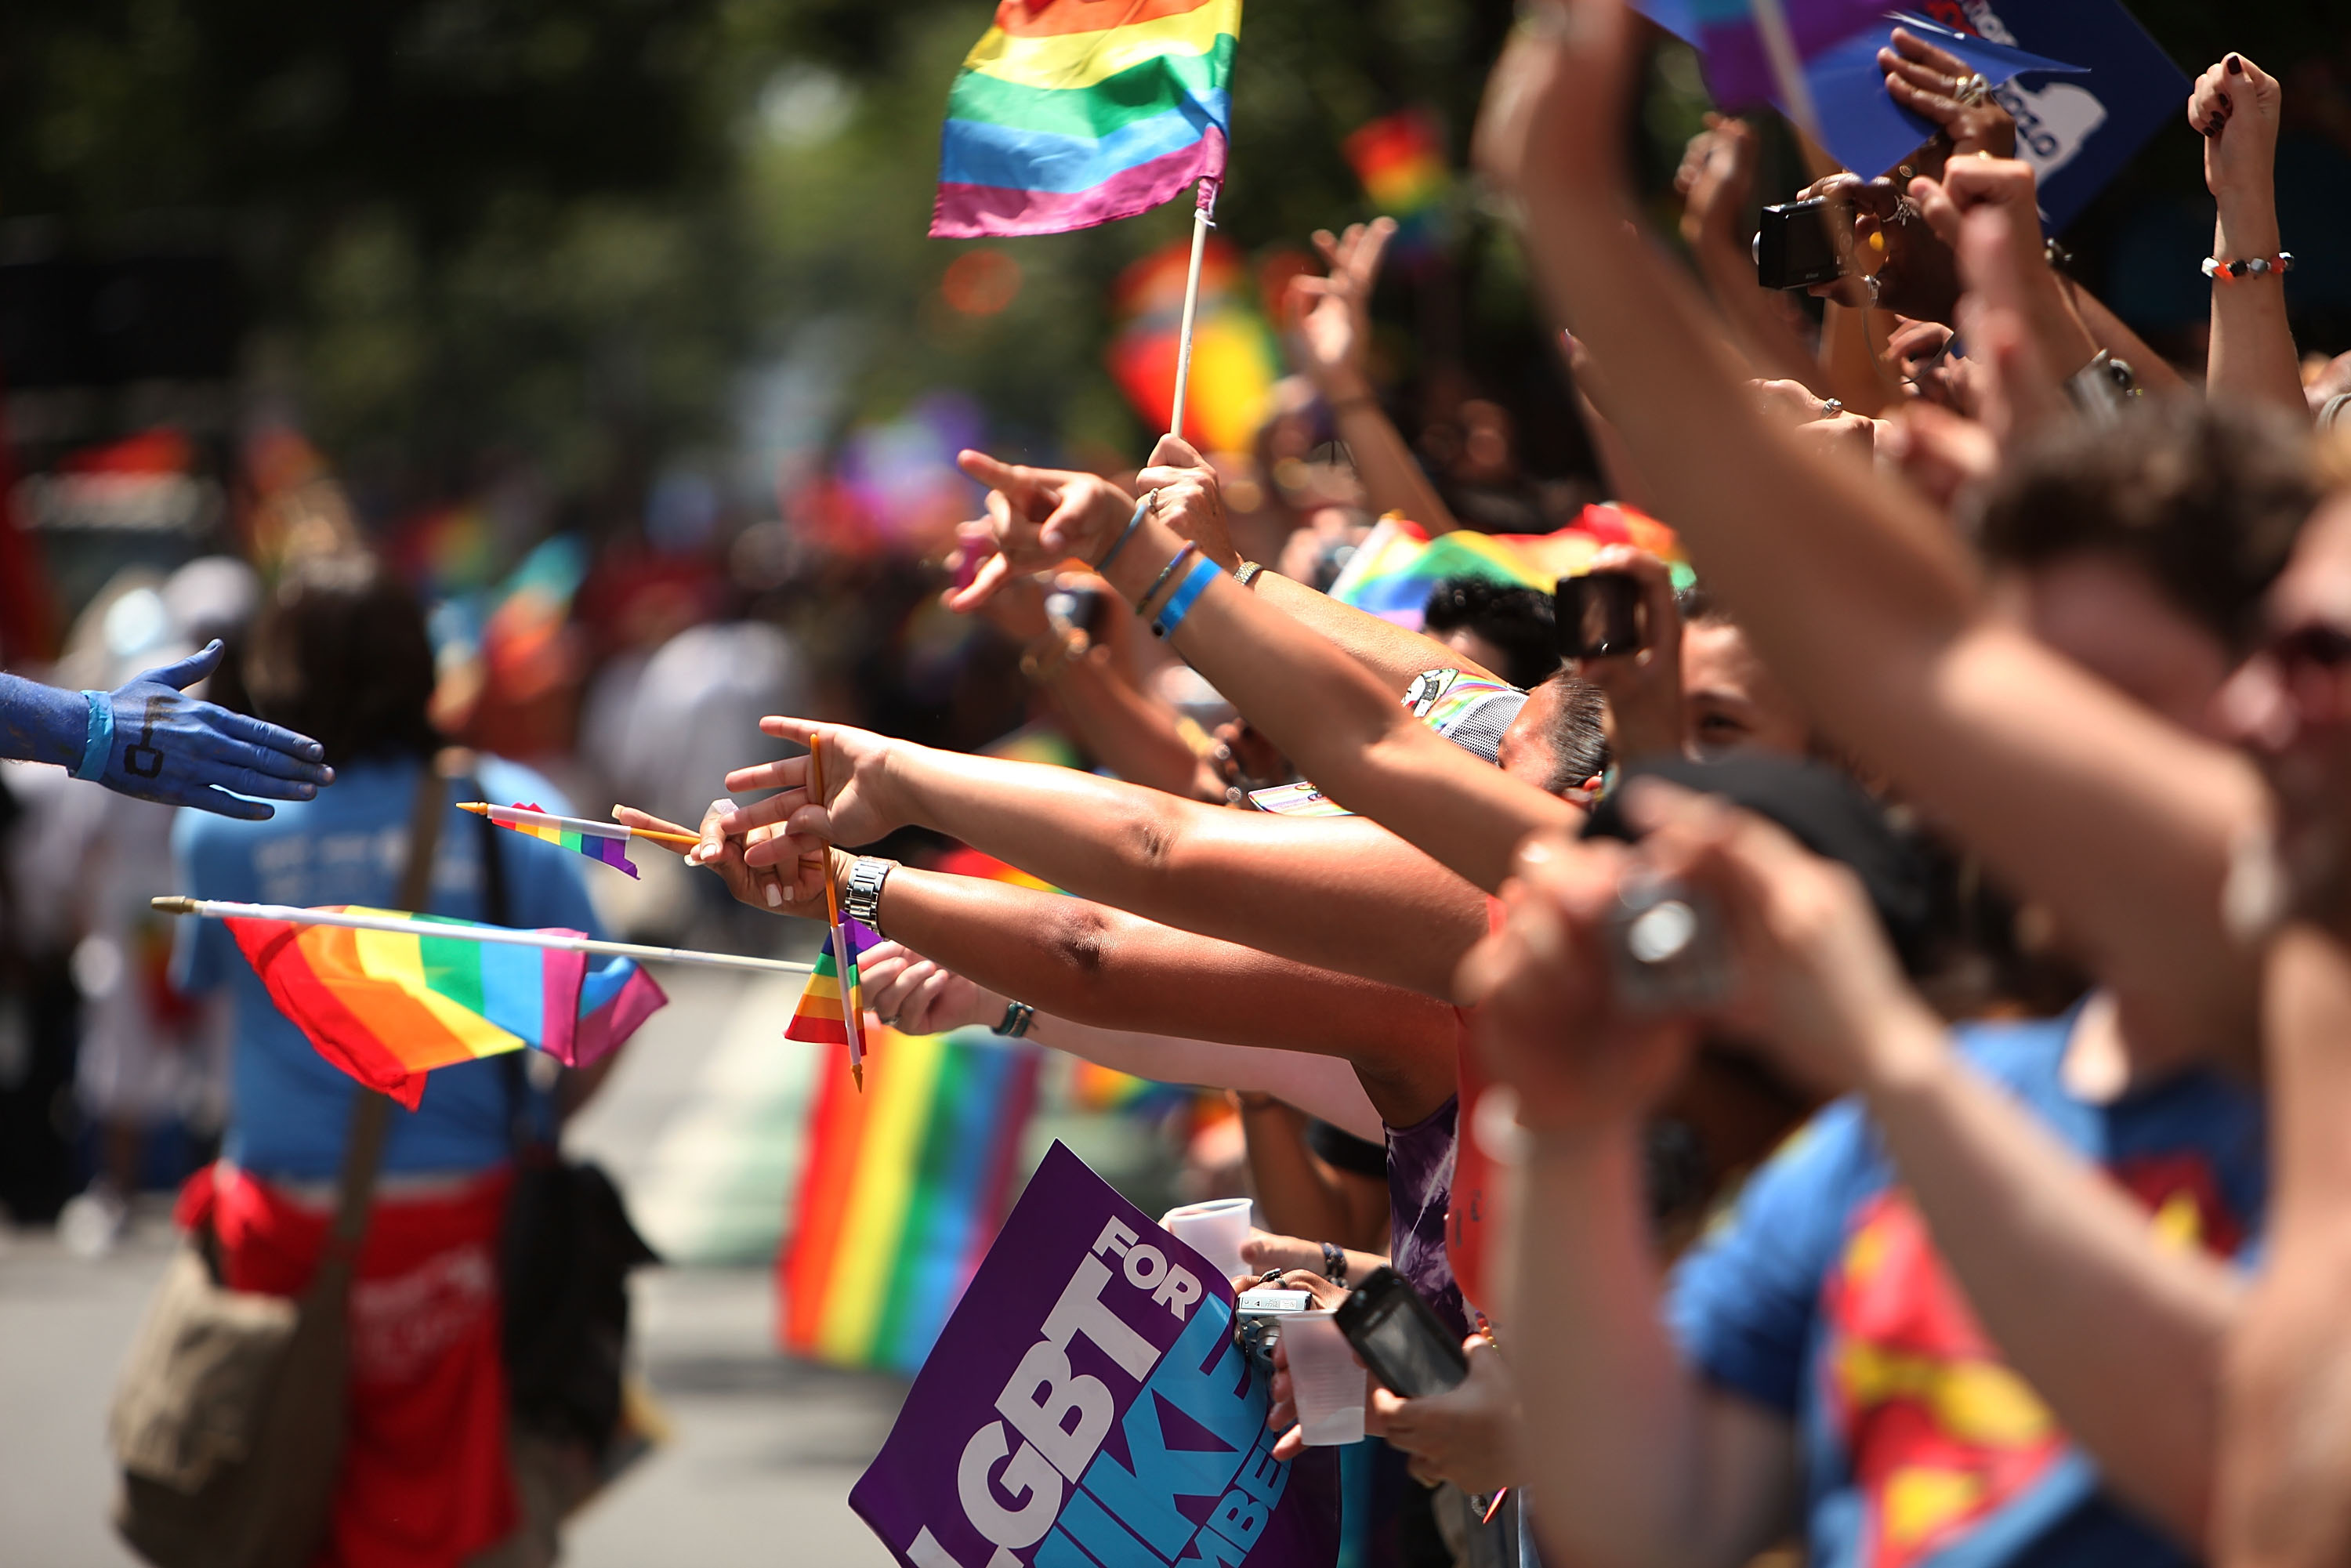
(98, 746)
(1179, 603)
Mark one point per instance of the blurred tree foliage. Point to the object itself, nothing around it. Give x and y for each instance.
(557, 232)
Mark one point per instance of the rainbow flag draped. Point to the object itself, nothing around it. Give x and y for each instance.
(823, 1017)
(1069, 113)
(597, 841)
(1392, 571)
(388, 1007)
(905, 1186)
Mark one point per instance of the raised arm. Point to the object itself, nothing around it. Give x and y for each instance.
(1341, 893)
(1334, 718)
(1329, 330)
(1864, 601)
(1635, 1459)
(2235, 109)
(922, 996)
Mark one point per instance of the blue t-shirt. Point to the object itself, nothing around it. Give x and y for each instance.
(1821, 1297)
(289, 1107)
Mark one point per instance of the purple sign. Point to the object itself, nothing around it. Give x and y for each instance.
(1086, 1407)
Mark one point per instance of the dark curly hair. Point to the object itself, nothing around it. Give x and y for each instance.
(1516, 620)
(2205, 499)
(341, 654)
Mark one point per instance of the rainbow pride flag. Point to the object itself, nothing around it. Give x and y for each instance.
(905, 1186)
(823, 1016)
(1400, 158)
(388, 1007)
(1069, 113)
(1392, 571)
(605, 842)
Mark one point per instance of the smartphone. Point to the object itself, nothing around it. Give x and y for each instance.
(1598, 615)
(1399, 1338)
(1792, 248)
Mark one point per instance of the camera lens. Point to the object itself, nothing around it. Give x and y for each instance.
(1660, 932)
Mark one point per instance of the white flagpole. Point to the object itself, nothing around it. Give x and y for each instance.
(215, 909)
(524, 817)
(1203, 220)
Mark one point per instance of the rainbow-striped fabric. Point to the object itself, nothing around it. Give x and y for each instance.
(608, 842)
(905, 1186)
(822, 1018)
(1392, 571)
(388, 1007)
(1069, 113)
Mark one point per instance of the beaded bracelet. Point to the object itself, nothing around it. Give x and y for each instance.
(1142, 605)
(1142, 505)
(2221, 271)
(1179, 603)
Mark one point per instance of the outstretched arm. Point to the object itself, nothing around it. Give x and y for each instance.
(1636, 1458)
(1390, 652)
(1332, 717)
(1341, 893)
(1099, 966)
(921, 996)
(1864, 603)
(148, 738)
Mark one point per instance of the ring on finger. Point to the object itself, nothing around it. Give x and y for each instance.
(1972, 90)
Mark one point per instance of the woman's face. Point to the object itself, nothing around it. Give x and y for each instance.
(1732, 702)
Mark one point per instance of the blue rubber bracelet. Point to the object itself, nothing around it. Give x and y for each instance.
(97, 748)
(1179, 603)
(1142, 505)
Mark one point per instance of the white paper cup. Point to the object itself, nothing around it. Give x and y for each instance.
(1215, 1230)
(1325, 1379)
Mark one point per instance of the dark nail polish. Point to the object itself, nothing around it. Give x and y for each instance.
(2236, 66)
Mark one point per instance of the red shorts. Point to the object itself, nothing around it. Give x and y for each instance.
(426, 1482)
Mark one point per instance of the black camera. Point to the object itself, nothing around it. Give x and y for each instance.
(1792, 249)
(1597, 615)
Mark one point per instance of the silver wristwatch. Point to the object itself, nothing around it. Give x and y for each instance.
(861, 894)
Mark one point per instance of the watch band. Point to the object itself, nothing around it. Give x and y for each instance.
(1248, 573)
(1018, 1016)
(861, 891)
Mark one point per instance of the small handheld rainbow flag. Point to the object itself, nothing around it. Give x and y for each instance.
(388, 1006)
(830, 1004)
(1069, 113)
(1394, 569)
(1400, 158)
(583, 835)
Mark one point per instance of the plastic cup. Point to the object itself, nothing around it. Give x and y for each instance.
(1215, 1230)
(1325, 1379)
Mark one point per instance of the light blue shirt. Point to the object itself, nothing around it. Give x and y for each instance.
(289, 1107)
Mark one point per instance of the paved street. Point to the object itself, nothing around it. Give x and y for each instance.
(699, 1123)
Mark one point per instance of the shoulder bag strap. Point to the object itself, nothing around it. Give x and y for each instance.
(372, 1112)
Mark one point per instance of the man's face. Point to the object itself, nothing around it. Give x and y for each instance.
(2108, 616)
(2289, 708)
(1731, 700)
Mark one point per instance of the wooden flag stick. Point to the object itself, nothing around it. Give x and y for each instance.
(852, 998)
(217, 909)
